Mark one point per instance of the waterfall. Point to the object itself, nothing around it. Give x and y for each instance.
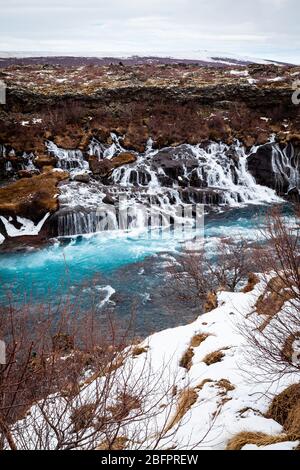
(67, 159)
(285, 166)
(99, 150)
(81, 222)
(2, 151)
(28, 162)
(218, 168)
(8, 167)
(96, 148)
(166, 181)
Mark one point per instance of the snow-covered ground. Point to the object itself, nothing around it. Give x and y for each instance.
(199, 55)
(197, 405)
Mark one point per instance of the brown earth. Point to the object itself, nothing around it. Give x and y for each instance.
(32, 197)
(172, 104)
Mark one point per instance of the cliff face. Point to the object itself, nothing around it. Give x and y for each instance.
(172, 104)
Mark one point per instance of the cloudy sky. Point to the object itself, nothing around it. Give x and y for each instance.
(259, 28)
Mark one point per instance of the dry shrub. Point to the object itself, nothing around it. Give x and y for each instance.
(253, 279)
(201, 384)
(138, 350)
(62, 342)
(82, 417)
(196, 278)
(198, 339)
(124, 405)
(211, 302)
(285, 409)
(213, 357)
(271, 303)
(293, 421)
(119, 444)
(226, 385)
(270, 339)
(186, 360)
(187, 399)
(257, 438)
(288, 350)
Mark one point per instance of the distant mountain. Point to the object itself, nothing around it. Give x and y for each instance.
(202, 58)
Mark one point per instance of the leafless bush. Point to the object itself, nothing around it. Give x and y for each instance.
(199, 273)
(273, 330)
(69, 384)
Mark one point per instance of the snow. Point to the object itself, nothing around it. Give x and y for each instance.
(109, 291)
(201, 55)
(2, 238)
(27, 227)
(240, 73)
(218, 413)
(276, 79)
(296, 351)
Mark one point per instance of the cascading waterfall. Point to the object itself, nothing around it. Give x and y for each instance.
(28, 162)
(285, 166)
(25, 162)
(67, 159)
(83, 222)
(2, 151)
(99, 150)
(168, 179)
(218, 168)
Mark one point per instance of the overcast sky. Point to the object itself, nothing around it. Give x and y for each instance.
(258, 28)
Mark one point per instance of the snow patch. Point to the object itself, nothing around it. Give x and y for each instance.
(27, 227)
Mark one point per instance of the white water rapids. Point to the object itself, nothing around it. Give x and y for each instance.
(170, 180)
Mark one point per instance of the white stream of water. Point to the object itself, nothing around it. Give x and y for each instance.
(216, 174)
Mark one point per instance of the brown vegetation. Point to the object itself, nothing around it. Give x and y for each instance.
(285, 409)
(171, 103)
(186, 360)
(186, 400)
(32, 197)
(253, 279)
(213, 357)
(258, 438)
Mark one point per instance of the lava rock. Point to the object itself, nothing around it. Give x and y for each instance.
(82, 177)
(42, 161)
(32, 197)
(27, 173)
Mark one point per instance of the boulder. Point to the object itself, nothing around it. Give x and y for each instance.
(81, 177)
(27, 173)
(32, 197)
(100, 167)
(108, 199)
(171, 160)
(260, 166)
(105, 167)
(42, 161)
(123, 158)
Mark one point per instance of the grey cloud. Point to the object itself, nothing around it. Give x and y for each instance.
(263, 28)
